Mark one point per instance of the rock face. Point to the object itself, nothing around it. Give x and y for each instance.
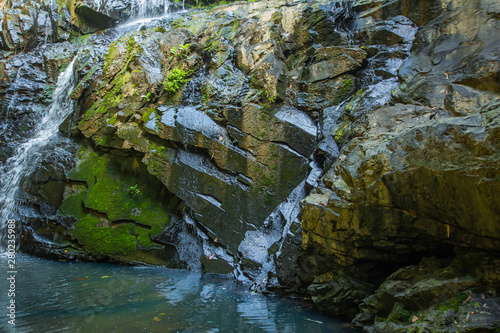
(198, 108)
(199, 142)
(26, 24)
(418, 178)
(237, 149)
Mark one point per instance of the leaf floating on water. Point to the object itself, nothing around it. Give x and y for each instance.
(80, 279)
(414, 319)
(156, 319)
(162, 314)
(315, 321)
(85, 284)
(105, 277)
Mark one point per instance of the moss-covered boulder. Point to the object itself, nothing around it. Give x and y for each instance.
(114, 214)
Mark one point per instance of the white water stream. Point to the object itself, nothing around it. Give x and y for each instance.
(29, 154)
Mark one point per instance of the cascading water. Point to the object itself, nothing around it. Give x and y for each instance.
(139, 8)
(150, 8)
(29, 154)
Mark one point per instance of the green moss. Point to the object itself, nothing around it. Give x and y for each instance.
(114, 95)
(452, 304)
(61, 3)
(146, 116)
(111, 99)
(159, 157)
(212, 45)
(160, 29)
(112, 120)
(101, 140)
(266, 181)
(341, 131)
(92, 235)
(107, 200)
(346, 86)
(133, 134)
(355, 102)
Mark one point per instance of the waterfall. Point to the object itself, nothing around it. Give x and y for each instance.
(29, 154)
(150, 8)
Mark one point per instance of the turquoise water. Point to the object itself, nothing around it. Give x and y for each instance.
(53, 296)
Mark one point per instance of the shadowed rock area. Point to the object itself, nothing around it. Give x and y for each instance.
(346, 152)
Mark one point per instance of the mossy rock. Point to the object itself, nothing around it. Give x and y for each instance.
(114, 213)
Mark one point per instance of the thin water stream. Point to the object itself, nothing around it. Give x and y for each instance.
(31, 152)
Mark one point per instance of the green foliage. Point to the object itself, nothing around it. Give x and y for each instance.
(173, 52)
(147, 96)
(182, 49)
(272, 99)
(175, 80)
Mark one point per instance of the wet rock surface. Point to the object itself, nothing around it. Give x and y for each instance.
(438, 144)
(345, 152)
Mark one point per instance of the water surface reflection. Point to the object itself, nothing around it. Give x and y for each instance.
(56, 296)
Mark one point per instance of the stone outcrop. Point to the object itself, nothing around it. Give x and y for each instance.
(193, 143)
(26, 24)
(418, 177)
(198, 108)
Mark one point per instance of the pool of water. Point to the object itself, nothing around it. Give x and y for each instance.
(53, 296)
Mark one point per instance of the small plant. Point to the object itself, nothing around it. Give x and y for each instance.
(270, 98)
(173, 52)
(175, 80)
(134, 190)
(147, 96)
(183, 49)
